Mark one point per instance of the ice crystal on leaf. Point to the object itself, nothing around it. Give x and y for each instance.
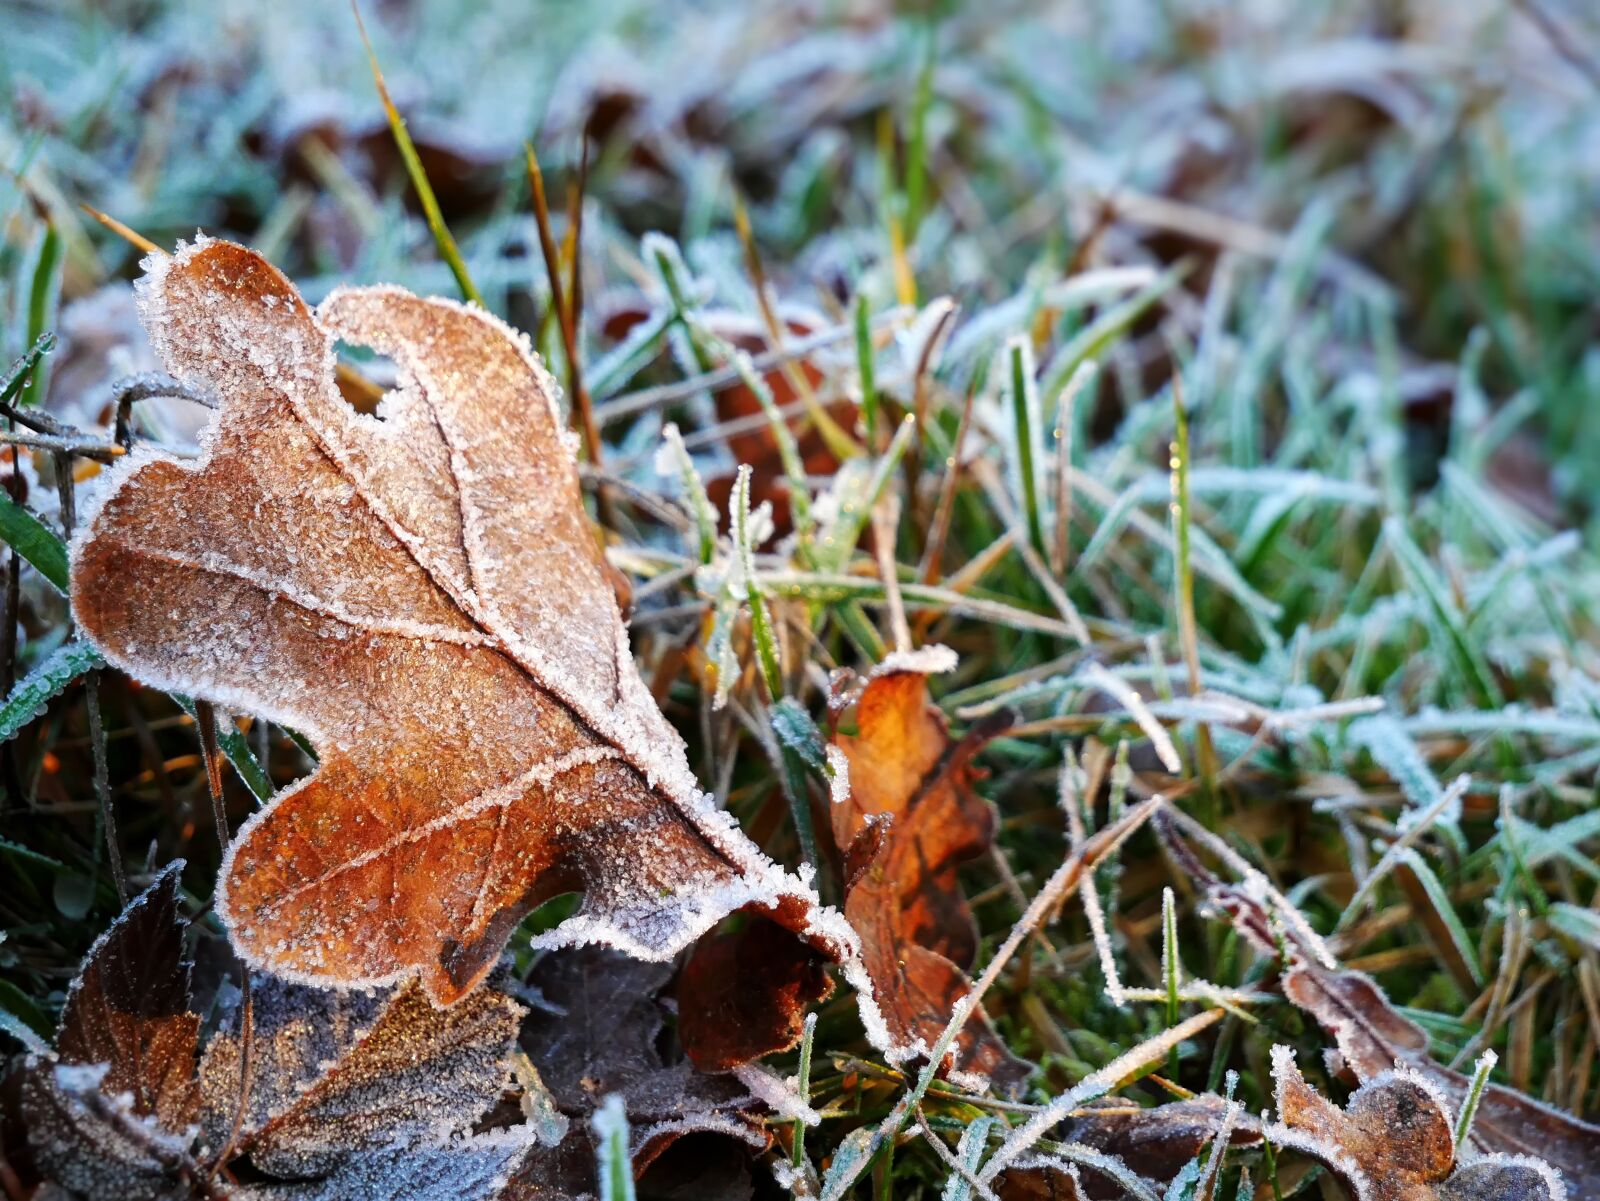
(1393, 1142)
(424, 598)
(305, 1093)
(341, 1075)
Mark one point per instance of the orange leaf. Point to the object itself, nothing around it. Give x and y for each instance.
(911, 819)
(419, 592)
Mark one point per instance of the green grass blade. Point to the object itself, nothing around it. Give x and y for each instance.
(419, 178)
(42, 299)
(28, 698)
(34, 541)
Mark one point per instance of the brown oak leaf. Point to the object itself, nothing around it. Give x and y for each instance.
(1393, 1142)
(420, 592)
(911, 819)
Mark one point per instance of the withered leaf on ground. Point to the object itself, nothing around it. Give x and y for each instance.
(341, 1094)
(128, 1008)
(723, 1019)
(1153, 1144)
(336, 1077)
(421, 593)
(93, 1142)
(1372, 1036)
(1156, 1142)
(107, 1117)
(911, 820)
(1393, 1142)
(602, 1037)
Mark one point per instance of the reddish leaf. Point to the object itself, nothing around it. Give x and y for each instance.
(723, 1019)
(912, 818)
(129, 1008)
(423, 596)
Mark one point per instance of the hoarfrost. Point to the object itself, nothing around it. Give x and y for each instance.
(337, 1076)
(423, 597)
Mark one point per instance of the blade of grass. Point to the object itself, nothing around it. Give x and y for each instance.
(419, 178)
(62, 666)
(42, 298)
(583, 409)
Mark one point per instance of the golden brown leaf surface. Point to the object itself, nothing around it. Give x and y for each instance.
(420, 593)
(911, 820)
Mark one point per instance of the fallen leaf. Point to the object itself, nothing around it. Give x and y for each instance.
(336, 1078)
(128, 1008)
(1156, 1142)
(1372, 1036)
(93, 1141)
(600, 1036)
(420, 593)
(911, 819)
(723, 1020)
(1393, 1141)
(315, 1094)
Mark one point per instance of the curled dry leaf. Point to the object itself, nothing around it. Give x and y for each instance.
(339, 1095)
(1372, 1036)
(129, 1008)
(912, 818)
(1393, 1142)
(419, 592)
(600, 1037)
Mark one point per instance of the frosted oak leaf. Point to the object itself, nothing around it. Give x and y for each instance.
(420, 593)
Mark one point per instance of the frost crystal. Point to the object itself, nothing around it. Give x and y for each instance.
(423, 597)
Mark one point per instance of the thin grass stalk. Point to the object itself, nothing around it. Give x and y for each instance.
(419, 178)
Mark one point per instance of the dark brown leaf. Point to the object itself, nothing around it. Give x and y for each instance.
(129, 1008)
(603, 1036)
(1157, 1142)
(723, 1019)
